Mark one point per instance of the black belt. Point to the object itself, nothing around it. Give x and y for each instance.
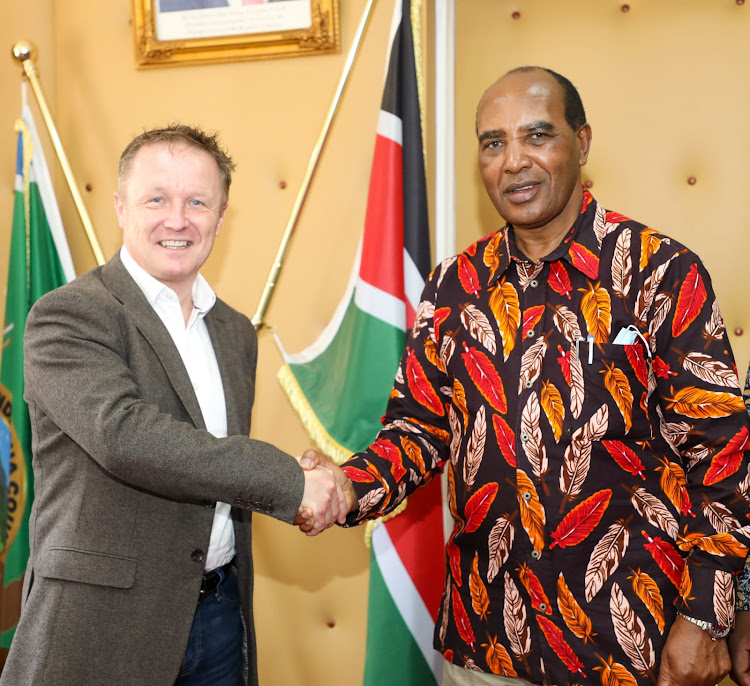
(212, 578)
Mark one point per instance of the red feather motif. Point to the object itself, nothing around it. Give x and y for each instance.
(564, 361)
(478, 505)
(468, 276)
(532, 316)
(438, 318)
(506, 439)
(669, 560)
(485, 377)
(584, 260)
(690, 301)
(559, 280)
(555, 638)
(615, 218)
(462, 620)
(581, 520)
(727, 461)
(638, 362)
(420, 386)
(358, 475)
(454, 558)
(534, 588)
(388, 451)
(625, 457)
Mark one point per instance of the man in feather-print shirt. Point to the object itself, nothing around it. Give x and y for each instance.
(572, 373)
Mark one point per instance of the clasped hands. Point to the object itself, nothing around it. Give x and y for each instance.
(328, 496)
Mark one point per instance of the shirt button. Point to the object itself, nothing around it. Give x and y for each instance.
(197, 555)
(542, 606)
(529, 384)
(525, 437)
(526, 495)
(533, 283)
(530, 333)
(535, 554)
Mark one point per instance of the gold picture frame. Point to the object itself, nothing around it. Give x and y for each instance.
(170, 33)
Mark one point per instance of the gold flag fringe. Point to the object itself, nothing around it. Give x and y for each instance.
(337, 452)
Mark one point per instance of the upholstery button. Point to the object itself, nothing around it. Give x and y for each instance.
(535, 554)
(197, 555)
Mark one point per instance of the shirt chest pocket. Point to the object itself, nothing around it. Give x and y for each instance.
(609, 391)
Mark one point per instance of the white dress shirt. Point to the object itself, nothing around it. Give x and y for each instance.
(197, 353)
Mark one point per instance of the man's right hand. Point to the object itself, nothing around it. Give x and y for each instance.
(313, 461)
(320, 504)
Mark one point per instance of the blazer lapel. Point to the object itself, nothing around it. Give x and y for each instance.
(117, 280)
(229, 364)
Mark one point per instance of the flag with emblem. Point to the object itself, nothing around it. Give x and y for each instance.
(340, 384)
(39, 261)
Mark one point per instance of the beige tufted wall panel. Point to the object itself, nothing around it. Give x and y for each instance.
(667, 91)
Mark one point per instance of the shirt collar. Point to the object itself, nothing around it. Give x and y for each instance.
(580, 247)
(204, 297)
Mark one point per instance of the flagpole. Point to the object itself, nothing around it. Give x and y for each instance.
(311, 166)
(24, 52)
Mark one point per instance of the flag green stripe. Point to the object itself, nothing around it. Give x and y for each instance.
(393, 656)
(364, 354)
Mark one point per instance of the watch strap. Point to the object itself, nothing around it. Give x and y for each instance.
(715, 631)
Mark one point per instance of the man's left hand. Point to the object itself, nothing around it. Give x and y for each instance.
(691, 658)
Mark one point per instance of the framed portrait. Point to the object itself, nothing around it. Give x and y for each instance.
(174, 32)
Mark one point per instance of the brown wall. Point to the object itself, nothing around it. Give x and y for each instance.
(666, 91)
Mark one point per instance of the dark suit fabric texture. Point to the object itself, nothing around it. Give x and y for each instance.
(126, 478)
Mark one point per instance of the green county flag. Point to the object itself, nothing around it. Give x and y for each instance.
(39, 261)
(340, 384)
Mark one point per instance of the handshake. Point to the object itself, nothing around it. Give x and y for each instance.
(328, 496)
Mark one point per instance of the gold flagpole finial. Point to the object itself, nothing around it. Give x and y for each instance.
(25, 53)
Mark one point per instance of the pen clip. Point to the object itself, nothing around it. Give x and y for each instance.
(577, 341)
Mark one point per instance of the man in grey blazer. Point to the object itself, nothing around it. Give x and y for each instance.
(140, 386)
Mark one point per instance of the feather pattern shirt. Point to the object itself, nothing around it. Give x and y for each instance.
(588, 412)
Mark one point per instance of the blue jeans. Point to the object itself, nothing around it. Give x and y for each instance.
(214, 651)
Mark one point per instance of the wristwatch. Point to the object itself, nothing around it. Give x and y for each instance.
(715, 631)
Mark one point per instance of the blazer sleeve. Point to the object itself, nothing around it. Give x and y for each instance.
(77, 346)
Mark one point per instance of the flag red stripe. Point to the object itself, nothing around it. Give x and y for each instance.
(383, 241)
(417, 536)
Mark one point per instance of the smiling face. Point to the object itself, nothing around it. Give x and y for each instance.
(529, 158)
(170, 206)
